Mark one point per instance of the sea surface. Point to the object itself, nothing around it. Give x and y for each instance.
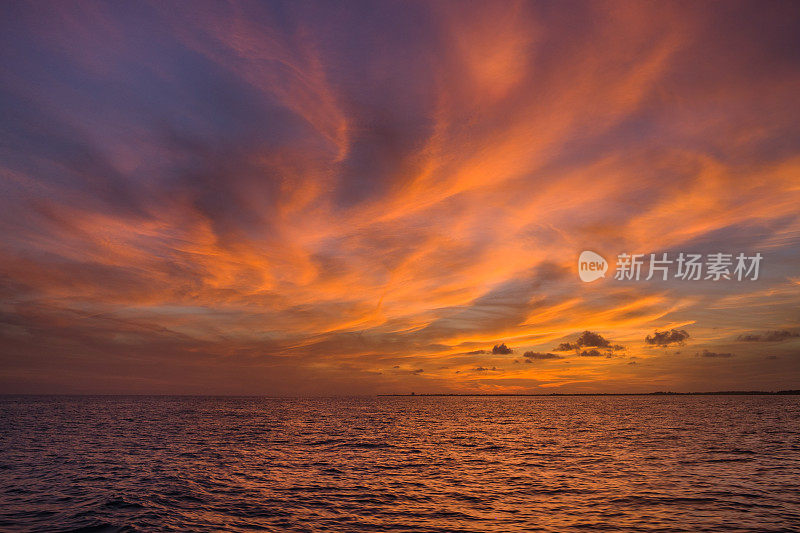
(416, 464)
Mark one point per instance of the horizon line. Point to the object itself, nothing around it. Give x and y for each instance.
(786, 392)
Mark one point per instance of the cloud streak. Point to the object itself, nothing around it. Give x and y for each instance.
(769, 336)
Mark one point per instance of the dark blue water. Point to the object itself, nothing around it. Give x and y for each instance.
(699, 463)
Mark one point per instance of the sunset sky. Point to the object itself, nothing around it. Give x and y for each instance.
(355, 198)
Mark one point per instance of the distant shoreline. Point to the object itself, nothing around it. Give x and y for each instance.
(716, 393)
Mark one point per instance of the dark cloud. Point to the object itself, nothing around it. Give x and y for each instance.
(477, 352)
(483, 369)
(501, 349)
(587, 339)
(665, 338)
(769, 336)
(417, 371)
(592, 340)
(541, 356)
(706, 353)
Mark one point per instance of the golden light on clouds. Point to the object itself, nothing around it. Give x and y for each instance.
(336, 199)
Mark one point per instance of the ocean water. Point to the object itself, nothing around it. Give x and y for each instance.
(417, 464)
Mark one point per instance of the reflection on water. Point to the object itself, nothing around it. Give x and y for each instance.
(400, 464)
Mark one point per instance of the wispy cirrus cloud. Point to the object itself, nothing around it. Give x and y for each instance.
(284, 191)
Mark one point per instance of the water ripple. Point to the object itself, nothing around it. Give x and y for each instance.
(399, 464)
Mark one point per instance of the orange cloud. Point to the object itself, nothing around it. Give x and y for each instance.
(322, 190)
